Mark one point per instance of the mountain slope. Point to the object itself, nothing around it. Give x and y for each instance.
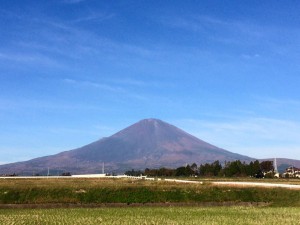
(148, 143)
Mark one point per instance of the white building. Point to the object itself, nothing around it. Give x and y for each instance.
(292, 172)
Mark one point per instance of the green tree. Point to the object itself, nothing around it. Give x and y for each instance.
(267, 166)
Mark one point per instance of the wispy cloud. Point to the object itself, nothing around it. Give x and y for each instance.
(44, 49)
(99, 17)
(209, 24)
(71, 41)
(122, 91)
(249, 133)
(276, 151)
(73, 131)
(142, 83)
(279, 101)
(129, 81)
(15, 154)
(73, 1)
(20, 104)
(248, 35)
(261, 128)
(30, 59)
(256, 127)
(285, 108)
(89, 84)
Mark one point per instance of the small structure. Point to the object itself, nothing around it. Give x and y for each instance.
(89, 175)
(103, 174)
(276, 173)
(292, 172)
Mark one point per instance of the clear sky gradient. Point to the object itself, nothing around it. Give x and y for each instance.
(74, 71)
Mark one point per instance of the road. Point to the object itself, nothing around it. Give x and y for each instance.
(256, 184)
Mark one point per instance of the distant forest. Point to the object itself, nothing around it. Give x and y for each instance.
(229, 169)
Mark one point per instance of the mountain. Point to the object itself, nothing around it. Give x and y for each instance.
(149, 143)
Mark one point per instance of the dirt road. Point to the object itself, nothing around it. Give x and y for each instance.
(256, 184)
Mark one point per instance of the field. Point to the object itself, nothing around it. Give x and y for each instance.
(153, 215)
(129, 191)
(128, 201)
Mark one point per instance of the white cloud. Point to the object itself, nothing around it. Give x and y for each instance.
(122, 91)
(207, 24)
(30, 59)
(142, 83)
(264, 152)
(276, 102)
(73, 1)
(90, 84)
(20, 104)
(253, 136)
(94, 16)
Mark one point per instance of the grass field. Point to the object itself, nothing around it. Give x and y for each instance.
(129, 201)
(99, 191)
(153, 215)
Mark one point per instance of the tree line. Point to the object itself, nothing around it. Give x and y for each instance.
(228, 169)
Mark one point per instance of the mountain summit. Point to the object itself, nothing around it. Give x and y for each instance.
(147, 143)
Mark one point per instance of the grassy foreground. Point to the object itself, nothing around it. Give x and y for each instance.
(153, 215)
(99, 191)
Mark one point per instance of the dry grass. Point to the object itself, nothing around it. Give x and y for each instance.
(114, 182)
(103, 190)
(153, 215)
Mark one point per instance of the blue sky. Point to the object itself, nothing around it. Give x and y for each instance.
(74, 71)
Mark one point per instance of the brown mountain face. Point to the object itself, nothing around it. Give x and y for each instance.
(149, 143)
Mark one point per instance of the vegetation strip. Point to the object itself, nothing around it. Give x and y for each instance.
(237, 183)
(125, 205)
(130, 191)
(154, 215)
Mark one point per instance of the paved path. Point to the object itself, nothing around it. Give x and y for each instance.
(184, 181)
(240, 184)
(232, 183)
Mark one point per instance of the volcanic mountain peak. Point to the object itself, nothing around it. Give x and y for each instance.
(155, 129)
(144, 126)
(147, 143)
